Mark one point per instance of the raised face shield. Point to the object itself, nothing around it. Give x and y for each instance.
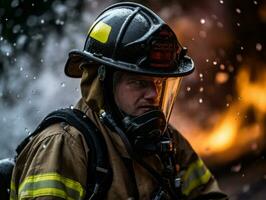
(136, 94)
(170, 89)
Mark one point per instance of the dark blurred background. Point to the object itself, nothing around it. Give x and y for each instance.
(221, 107)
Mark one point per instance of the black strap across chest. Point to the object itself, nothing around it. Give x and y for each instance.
(99, 171)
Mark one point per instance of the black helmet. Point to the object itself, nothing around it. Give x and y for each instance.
(128, 36)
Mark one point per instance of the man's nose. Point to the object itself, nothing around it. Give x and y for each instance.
(152, 92)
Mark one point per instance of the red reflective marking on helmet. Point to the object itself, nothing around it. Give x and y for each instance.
(163, 50)
(162, 58)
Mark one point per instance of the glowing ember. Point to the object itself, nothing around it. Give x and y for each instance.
(258, 47)
(202, 21)
(221, 77)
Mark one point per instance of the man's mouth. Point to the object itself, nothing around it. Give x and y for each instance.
(148, 107)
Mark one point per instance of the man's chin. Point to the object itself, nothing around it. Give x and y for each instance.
(145, 109)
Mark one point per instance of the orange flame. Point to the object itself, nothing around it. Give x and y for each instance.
(233, 135)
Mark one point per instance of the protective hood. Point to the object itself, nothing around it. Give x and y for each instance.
(91, 88)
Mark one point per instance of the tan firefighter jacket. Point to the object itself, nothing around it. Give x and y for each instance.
(54, 163)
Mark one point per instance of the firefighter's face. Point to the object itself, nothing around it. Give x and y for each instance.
(136, 94)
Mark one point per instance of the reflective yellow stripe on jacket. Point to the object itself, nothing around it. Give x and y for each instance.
(50, 184)
(12, 191)
(196, 175)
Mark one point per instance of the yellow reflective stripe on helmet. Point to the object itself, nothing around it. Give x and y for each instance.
(197, 174)
(101, 32)
(52, 184)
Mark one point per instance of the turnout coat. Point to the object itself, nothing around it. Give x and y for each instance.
(54, 163)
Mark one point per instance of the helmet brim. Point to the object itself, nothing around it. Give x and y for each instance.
(184, 67)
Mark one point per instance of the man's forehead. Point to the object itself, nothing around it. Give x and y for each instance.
(130, 75)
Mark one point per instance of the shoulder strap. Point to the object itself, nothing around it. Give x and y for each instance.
(99, 171)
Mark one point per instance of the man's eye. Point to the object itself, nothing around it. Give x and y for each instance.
(139, 83)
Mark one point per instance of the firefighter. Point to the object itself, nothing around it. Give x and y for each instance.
(130, 71)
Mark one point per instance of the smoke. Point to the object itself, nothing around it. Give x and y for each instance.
(35, 79)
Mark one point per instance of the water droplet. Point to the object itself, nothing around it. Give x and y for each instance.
(227, 105)
(221, 1)
(246, 188)
(222, 66)
(14, 3)
(201, 75)
(34, 77)
(188, 89)
(202, 21)
(214, 62)
(238, 24)
(258, 47)
(200, 100)
(21, 69)
(207, 60)
(231, 68)
(71, 107)
(27, 131)
(236, 168)
(242, 48)
(201, 89)
(42, 21)
(44, 146)
(63, 84)
(203, 34)
(42, 60)
(255, 2)
(239, 57)
(220, 25)
(238, 10)
(84, 116)
(254, 146)
(57, 21)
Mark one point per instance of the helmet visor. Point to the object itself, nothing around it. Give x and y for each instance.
(169, 92)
